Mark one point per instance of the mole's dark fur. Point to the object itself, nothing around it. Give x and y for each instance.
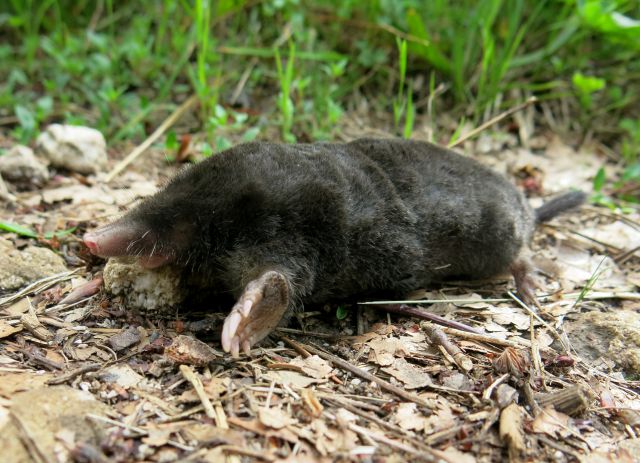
(338, 220)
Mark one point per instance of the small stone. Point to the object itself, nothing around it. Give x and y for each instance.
(20, 166)
(21, 267)
(122, 375)
(124, 339)
(77, 148)
(190, 351)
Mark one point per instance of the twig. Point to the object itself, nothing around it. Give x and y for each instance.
(439, 338)
(243, 80)
(626, 255)
(190, 376)
(433, 455)
(362, 374)
(310, 333)
(246, 452)
(375, 419)
(491, 340)
(404, 309)
(30, 322)
(299, 349)
(558, 446)
(73, 373)
(39, 285)
(168, 122)
(551, 329)
(486, 395)
(177, 417)
(492, 121)
(136, 429)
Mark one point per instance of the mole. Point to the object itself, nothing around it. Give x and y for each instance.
(282, 225)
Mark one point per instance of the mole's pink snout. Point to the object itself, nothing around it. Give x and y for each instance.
(111, 240)
(90, 240)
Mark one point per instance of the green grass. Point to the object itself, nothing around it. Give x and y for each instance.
(285, 102)
(122, 66)
(29, 233)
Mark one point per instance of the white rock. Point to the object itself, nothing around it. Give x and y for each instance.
(5, 195)
(20, 165)
(155, 291)
(20, 267)
(81, 149)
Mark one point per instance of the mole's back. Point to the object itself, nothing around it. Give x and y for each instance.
(390, 214)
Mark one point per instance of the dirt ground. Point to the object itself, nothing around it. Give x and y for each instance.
(479, 377)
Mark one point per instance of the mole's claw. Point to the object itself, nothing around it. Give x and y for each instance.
(234, 320)
(246, 307)
(225, 338)
(235, 347)
(246, 347)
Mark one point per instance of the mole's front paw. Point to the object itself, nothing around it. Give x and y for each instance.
(257, 312)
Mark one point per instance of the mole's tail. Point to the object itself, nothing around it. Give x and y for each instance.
(558, 205)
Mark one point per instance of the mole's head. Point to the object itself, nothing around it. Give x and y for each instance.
(174, 225)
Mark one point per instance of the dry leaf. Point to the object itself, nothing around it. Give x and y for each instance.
(511, 430)
(579, 265)
(551, 422)
(292, 378)
(453, 454)
(480, 304)
(408, 417)
(412, 377)
(7, 330)
(206, 433)
(157, 437)
(513, 361)
(510, 316)
(618, 234)
(441, 419)
(383, 350)
(345, 417)
(217, 386)
(613, 456)
(274, 418)
(456, 380)
(17, 308)
(313, 366)
(257, 427)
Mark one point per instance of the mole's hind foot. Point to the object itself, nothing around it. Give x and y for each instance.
(521, 270)
(258, 311)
